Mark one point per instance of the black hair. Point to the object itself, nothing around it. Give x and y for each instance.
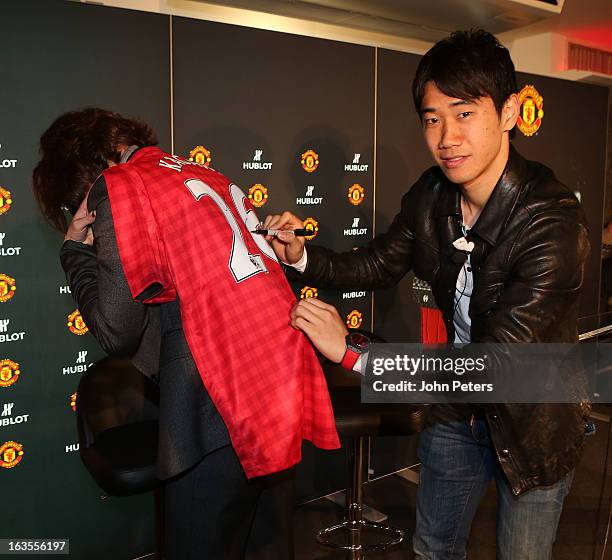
(467, 65)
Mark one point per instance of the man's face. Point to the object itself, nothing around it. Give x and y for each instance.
(466, 138)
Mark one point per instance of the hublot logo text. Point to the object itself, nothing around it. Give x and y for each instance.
(81, 364)
(355, 229)
(7, 418)
(356, 166)
(5, 336)
(309, 198)
(7, 251)
(353, 295)
(257, 163)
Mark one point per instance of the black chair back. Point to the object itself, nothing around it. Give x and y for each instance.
(117, 423)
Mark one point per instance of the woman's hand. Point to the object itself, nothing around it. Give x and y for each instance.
(80, 227)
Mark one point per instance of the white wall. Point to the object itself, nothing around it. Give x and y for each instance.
(532, 51)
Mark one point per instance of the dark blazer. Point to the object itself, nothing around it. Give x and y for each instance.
(152, 335)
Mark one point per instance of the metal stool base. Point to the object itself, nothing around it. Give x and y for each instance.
(348, 535)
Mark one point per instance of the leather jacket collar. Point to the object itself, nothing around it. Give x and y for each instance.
(500, 205)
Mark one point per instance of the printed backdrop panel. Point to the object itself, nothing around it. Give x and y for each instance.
(61, 56)
(290, 120)
(570, 138)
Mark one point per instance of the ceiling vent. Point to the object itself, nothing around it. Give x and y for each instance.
(588, 59)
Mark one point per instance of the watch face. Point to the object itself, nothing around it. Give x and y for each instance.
(359, 341)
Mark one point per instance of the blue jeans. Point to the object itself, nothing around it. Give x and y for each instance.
(457, 465)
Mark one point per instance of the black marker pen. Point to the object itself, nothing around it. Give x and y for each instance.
(274, 232)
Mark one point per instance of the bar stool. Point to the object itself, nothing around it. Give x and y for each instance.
(356, 421)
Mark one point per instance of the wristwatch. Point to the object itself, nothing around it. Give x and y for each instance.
(357, 344)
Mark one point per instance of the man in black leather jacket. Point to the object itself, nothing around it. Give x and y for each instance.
(520, 283)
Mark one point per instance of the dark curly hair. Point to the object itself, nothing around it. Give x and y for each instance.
(467, 65)
(74, 150)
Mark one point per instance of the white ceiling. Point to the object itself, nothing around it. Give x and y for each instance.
(429, 20)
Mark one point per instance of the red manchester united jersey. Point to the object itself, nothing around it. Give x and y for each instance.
(183, 230)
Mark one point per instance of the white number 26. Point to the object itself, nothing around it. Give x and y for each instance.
(242, 264)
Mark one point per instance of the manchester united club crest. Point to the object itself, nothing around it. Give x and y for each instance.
(201, 156)
(311, 225)
(5, 201)
(354, 319)
(7, 288)
(11, 454)
(73, 402)
(9, 373)
(355, 194)
(531, 110)
(258, 195)
(308, 292)
(75, 323)
(309, 161)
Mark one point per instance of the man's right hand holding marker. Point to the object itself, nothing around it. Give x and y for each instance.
(288, 247)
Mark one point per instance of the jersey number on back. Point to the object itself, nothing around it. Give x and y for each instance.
(242, 264)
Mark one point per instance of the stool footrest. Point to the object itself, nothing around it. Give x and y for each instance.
(362, 536)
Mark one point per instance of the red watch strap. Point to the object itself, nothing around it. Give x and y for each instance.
(349, 359)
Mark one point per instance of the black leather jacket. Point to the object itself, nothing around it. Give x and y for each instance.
(531, 241)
